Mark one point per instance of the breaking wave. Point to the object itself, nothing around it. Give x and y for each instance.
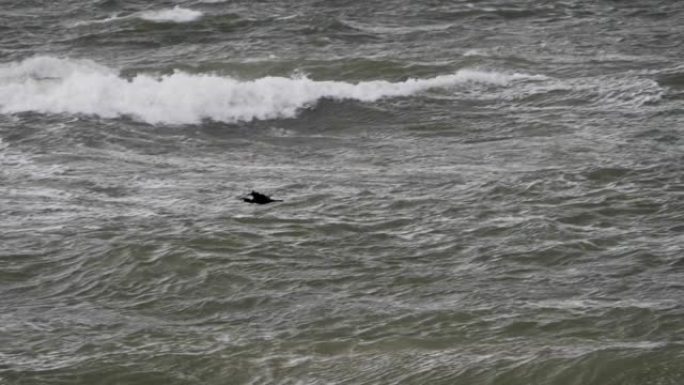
(53, 85)
(175, 14)
(171, 15)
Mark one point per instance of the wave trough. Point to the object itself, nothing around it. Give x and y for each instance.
(53, 85)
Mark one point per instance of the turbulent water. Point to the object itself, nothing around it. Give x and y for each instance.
(475, 192)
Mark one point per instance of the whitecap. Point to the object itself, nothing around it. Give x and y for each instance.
(52, 85)
(175, 15)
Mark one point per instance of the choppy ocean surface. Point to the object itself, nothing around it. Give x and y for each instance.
(475, 192)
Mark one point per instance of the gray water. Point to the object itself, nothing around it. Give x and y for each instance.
(484, 192)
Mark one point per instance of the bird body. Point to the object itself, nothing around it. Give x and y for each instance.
(259, 198)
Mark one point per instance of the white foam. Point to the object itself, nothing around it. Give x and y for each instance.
(52, 85)
(175, 14)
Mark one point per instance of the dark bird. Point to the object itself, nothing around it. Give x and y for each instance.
(259, 198)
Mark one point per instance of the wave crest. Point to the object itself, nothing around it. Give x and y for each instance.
(51, 85)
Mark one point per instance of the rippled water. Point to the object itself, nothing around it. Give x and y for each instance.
(484, 192)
